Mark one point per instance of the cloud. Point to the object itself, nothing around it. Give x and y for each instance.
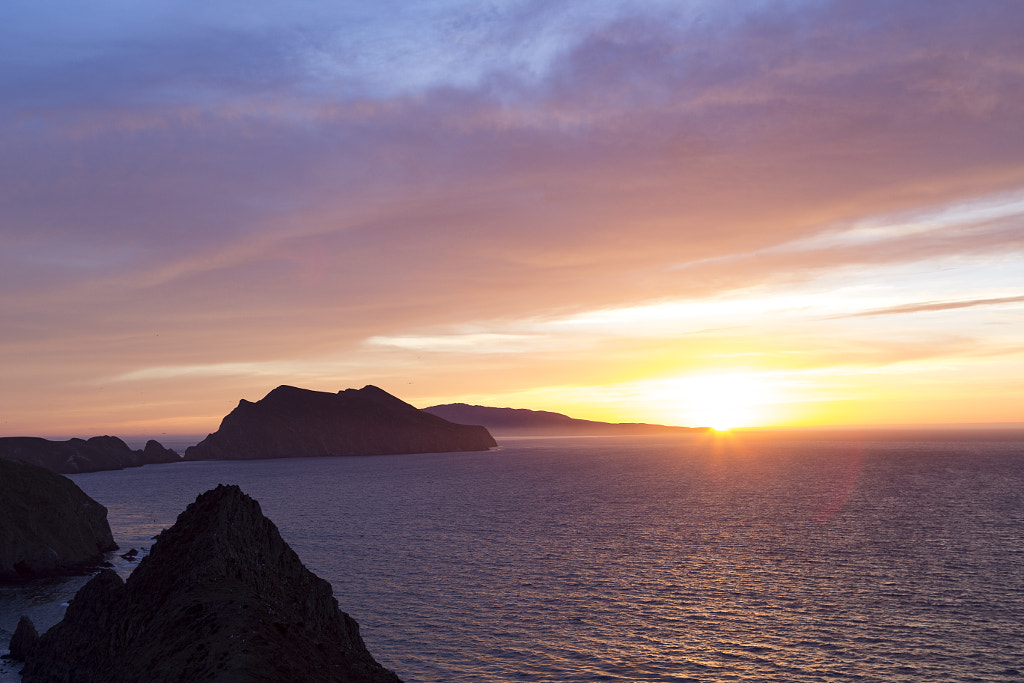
(478, 342)
(277, 183)
(211, 370)
(942, 306)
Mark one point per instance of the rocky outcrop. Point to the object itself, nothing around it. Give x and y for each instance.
(291, 423)
(24, 640)
(519, 421)
(48, 526)
(155, 453)
(221, 597)
(81, 455)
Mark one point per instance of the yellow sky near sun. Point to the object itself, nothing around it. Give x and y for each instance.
(786, 366)
(904, 393)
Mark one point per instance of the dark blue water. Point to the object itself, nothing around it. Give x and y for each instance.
(641, 559)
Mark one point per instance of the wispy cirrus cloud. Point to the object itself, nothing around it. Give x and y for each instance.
(930, 306)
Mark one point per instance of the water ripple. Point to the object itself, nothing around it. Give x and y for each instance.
(650, 559)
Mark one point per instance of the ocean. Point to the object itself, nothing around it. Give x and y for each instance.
(683, 558)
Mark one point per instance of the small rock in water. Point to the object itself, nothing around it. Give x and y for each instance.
(24, 639)
(130, 555)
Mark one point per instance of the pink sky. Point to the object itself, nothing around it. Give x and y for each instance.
(751, 212)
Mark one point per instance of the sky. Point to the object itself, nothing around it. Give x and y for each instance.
(748, 213)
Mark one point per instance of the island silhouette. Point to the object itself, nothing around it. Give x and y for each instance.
(290, 422)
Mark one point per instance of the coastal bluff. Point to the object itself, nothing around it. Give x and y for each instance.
(48, 526)
(83, 455)
(290, 422)
(221, 596)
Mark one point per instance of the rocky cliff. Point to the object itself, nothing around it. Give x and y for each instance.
(48, 526)
(293, 422)
(221, 597)
(81, 455)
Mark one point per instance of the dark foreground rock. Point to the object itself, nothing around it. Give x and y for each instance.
(293, 423)
(220, 597)
(83, 455)
(48, 526)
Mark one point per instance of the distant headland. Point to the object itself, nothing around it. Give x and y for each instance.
(523, 422)
(82, 455)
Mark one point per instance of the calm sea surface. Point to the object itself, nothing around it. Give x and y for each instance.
(638, 559)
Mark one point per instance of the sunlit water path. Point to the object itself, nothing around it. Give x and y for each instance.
(641, 559)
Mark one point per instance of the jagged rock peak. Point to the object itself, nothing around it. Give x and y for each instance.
(221, 596)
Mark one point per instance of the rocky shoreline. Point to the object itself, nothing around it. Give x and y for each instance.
(221, 596)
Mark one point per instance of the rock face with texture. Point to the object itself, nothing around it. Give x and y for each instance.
(81, 455)
(48, 526)
(221, 597)
(291, 422)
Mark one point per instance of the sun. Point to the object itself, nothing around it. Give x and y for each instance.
(721, 418)
(722, 424)
(732, 400)
(718, 414)
(721, 401)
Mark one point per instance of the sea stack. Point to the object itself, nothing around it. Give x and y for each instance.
(48, 526)
(295, 423)
(221, 596)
